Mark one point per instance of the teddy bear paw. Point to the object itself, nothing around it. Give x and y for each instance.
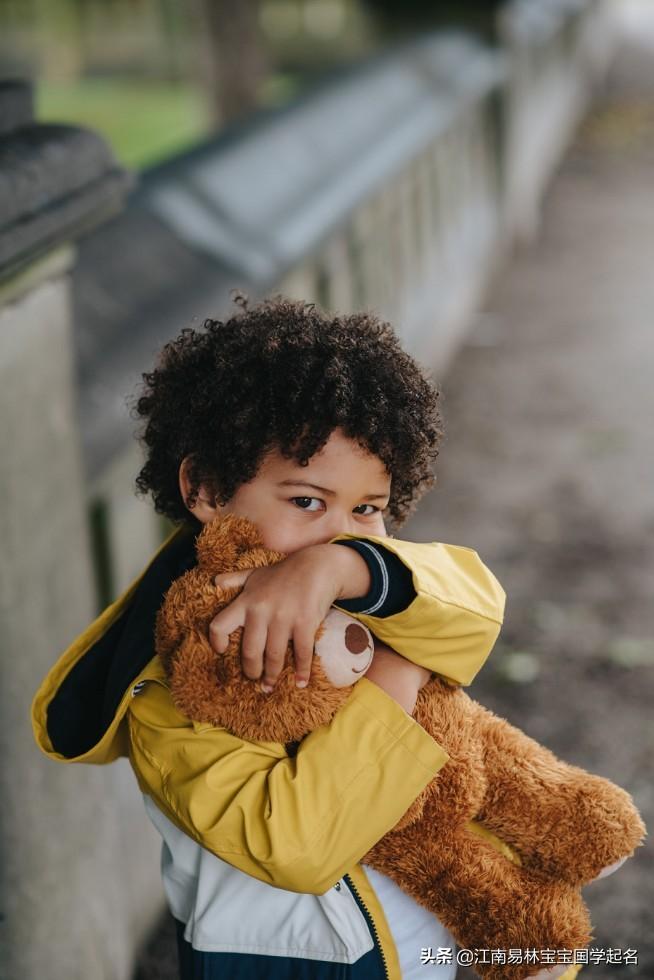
(345, 648)
(610, 869)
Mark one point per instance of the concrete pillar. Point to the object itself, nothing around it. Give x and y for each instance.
(79, 883)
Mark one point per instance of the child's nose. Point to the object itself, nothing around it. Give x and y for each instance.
(341, 524)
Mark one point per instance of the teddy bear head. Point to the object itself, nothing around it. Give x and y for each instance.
(211, 687)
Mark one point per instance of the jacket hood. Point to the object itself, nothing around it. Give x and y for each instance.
(78, 711)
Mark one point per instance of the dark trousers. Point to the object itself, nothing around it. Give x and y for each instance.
(195, 964)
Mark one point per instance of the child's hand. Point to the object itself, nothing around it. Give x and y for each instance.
(283, 602)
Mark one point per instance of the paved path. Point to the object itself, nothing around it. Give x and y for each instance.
(548, 472)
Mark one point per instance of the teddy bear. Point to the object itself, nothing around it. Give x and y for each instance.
(497, 845)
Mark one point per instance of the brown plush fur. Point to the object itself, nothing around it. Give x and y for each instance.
(564, 823)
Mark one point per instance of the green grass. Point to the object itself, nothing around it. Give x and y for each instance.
(143, 121)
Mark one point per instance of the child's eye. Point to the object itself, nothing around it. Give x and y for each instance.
(357, 510)
(313, 504)
(305, 502)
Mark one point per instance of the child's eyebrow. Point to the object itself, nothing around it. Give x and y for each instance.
(330, 493)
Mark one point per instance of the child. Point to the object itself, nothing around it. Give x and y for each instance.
(314, 428)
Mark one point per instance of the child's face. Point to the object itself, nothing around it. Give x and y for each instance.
(343, 489)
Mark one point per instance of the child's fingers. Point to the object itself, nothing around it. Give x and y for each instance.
(304, 636)
(276, 648)
(222, 625)
(253, 644)
(232, 580)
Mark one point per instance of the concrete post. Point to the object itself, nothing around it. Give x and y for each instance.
(79, 885)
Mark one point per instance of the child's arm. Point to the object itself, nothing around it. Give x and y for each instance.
(449, 626)
(300, 822)
(400, 678)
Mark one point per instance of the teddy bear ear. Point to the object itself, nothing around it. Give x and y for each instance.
(224, 540)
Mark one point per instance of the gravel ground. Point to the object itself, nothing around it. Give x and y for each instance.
(548, 472)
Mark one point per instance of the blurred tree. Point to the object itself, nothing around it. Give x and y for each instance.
(233, 62)
(407, 17)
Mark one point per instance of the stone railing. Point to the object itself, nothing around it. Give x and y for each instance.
(557, 51)
(67, 855)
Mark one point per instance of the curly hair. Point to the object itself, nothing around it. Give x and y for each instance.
(283, 375)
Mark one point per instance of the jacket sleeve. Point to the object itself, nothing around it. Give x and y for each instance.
(300, 822)
(391, 582)
(452, 624)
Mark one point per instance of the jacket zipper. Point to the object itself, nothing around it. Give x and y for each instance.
(371, 925)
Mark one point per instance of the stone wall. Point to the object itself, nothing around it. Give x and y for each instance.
(80, 885)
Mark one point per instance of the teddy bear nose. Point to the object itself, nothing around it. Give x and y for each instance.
(356, 638)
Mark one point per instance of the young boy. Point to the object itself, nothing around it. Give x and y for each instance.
(314, 428)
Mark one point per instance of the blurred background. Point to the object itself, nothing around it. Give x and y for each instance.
(480, 173)
(187, 68)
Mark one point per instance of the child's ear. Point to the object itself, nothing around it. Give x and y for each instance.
(205, 508)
